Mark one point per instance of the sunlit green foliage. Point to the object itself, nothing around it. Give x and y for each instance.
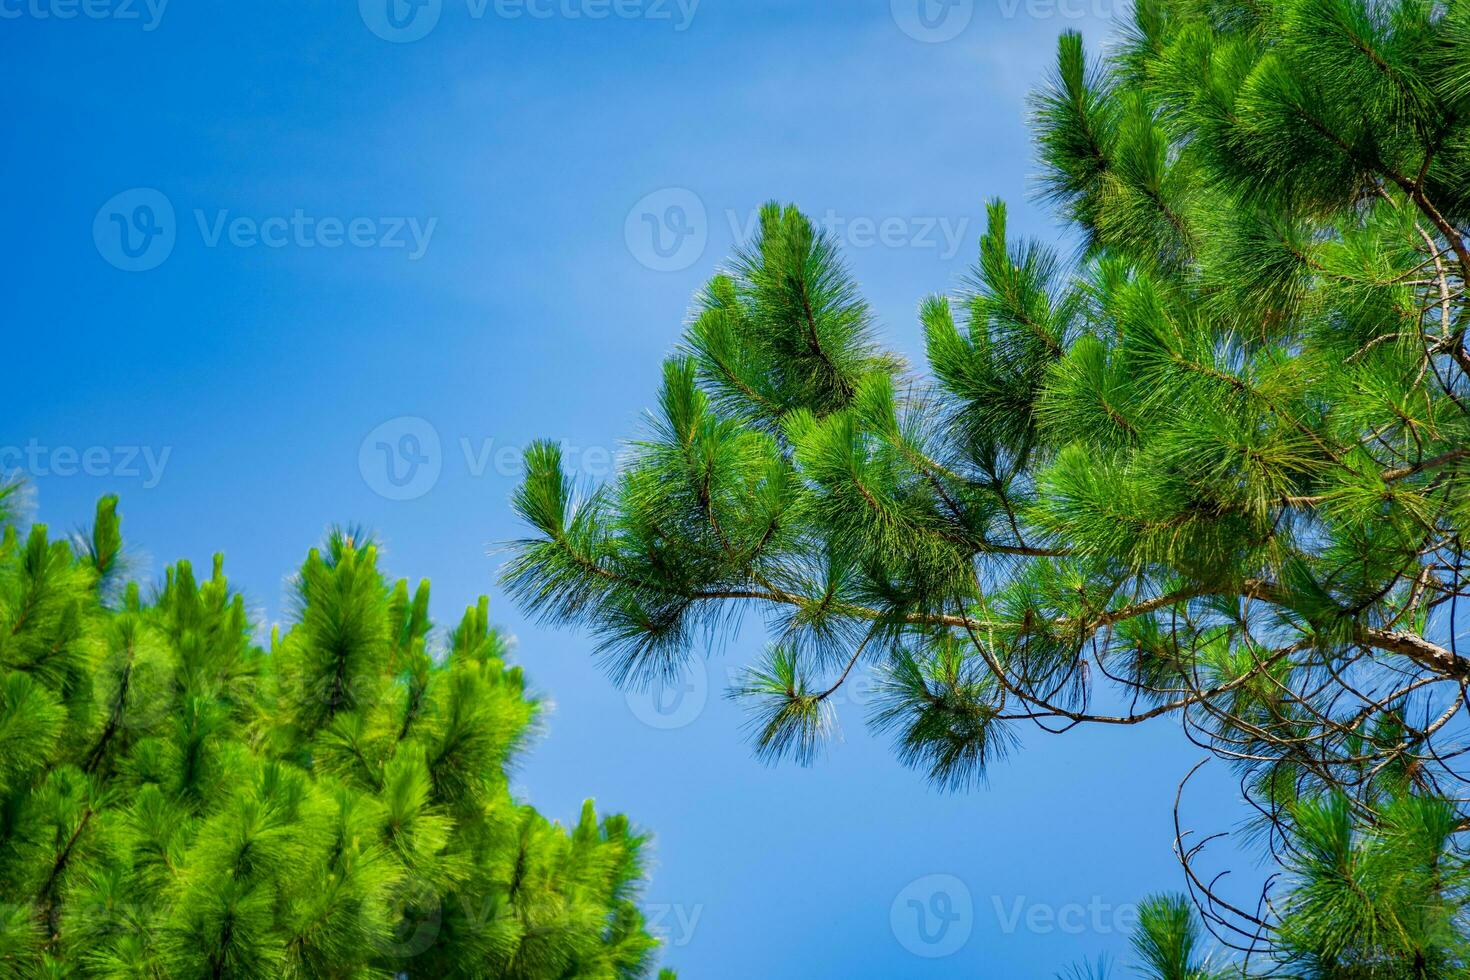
(177, 802)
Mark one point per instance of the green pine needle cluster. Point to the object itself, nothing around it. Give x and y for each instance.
(176, 802)
(1213, 466)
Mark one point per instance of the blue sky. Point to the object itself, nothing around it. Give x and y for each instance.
(248, 243)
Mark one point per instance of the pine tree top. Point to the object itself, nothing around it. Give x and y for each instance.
(178, 802)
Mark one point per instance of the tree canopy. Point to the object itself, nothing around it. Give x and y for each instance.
(1211, 465)
(177, 802)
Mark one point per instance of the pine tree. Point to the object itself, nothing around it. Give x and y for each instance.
(1211, 466)
(177, 802)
